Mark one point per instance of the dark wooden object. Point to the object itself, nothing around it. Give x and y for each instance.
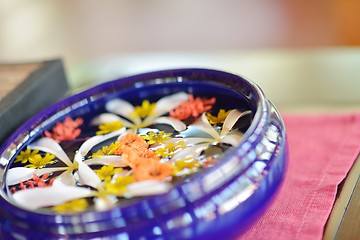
(25, 89)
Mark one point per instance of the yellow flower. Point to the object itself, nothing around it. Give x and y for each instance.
(186, 166)
(39, 162)
(220, 118)
(107, 150)
(159, 137)
(106, 172)
(24, 156)
(109, 127)
(119, 186)
(170, 149)
(146, 109)
(74, 206)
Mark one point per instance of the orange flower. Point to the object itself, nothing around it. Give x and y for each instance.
(153, 170)
(193, 107)
(135, 158)
(132, 141)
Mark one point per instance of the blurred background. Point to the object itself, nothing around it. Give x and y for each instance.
(302, 54)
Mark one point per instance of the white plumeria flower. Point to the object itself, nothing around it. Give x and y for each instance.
(200, 135)
(49, 145)
(207, 133)
(63, 189)
(59, 193)
(120, 109)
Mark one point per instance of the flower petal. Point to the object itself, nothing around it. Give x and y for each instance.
(168, 103)
(203, 124)
(106, 160)
(67, 178)
(91, 142)
(104, 203)
(232, 139)
(87, 175)
(110, 117)
(122, 108)
(34, 198)
(18, 174)
(105, 118)
(190, 152)
(147, 188)
(49, 145)
(231, 119)
(175, 123)
(191, 141)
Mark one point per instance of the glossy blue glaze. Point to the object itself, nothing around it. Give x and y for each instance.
(220, 203)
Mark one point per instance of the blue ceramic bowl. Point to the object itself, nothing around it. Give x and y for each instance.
(219, 203)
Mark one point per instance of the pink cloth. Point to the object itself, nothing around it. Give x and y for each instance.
(322, 151)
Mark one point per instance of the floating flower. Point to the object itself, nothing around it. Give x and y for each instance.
(193, 107)
(201, 134)
(24, 156)
(146, 109)
(65, 131)
(59, 194)
(201, 131)
(107, 172)
(34, 198)
(135, 158)
(36, 181)
(37, 161)
(141, 161)
(107, 150)
(119, 187)
(152, 170)
(186, 166)
(70, 123)
(79, 164)
(220, 118)
(109, 127)
(42, 181)
(70, 207)
(144, 115)
(131, 141)
(170, 149)
(159, 137)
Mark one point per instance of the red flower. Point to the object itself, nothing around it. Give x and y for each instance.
(36, 181)
(193, 107)
(65, 131)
